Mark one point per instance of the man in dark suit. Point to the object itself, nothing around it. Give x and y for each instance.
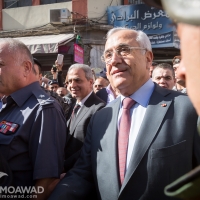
(80, 82)
(162, 140)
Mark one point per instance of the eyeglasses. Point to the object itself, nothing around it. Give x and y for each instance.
(121, 51)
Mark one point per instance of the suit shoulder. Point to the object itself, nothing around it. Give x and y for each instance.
(180, 96)
(99, 100)
(112, 105)
(94, 100)
(177, 93)
(181, 100)
(102, 91)
(171, 94)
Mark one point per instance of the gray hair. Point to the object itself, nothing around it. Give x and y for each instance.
(19, 51)
(85, 68)
(141, 37)
(164, 66)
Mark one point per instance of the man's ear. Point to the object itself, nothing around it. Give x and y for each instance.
(91, 81)
(149, 58)
(27, 66)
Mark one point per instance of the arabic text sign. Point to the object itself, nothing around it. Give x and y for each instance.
(158, 40)
(78, 54)
(139, 17)
(152, 21)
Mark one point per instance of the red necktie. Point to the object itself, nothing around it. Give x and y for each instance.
(124, 129)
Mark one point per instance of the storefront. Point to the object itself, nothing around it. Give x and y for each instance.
(46, 47)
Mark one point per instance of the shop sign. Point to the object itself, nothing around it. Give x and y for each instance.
(78, 54)
(154, 22)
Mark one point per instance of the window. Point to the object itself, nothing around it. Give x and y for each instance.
(42, 2)
(23, 3)
(135, 2)
(17, 3)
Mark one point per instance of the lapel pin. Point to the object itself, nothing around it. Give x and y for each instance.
(163, 104)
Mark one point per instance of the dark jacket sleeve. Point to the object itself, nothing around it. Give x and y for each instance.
(59, 77)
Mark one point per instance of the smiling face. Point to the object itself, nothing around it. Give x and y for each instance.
(127, 73)
(78, 85)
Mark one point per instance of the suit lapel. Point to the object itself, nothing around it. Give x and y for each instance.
(112, 137)
(70, 113)
(82, 113)
(157, 108)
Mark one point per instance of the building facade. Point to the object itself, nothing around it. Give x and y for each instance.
(49, 27)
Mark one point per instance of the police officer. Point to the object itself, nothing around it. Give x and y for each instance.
(32, 124)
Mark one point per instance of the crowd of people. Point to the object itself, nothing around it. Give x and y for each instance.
(128, 134)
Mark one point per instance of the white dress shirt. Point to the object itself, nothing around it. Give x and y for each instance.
(137, 112)
(81, 103)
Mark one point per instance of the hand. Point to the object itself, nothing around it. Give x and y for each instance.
(59, 66)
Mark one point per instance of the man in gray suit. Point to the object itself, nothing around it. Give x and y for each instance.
(80, 85)
(162, 141)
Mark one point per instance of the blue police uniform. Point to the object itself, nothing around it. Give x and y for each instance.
(32, 135)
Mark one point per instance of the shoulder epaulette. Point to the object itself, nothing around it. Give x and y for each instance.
(42, 97)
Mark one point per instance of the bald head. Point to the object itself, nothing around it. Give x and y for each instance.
(17, 67)
(18, 51)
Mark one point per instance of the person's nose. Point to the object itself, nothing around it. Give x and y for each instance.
(162, 80)
(181, 71)
(115, 59)
(73, 84)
